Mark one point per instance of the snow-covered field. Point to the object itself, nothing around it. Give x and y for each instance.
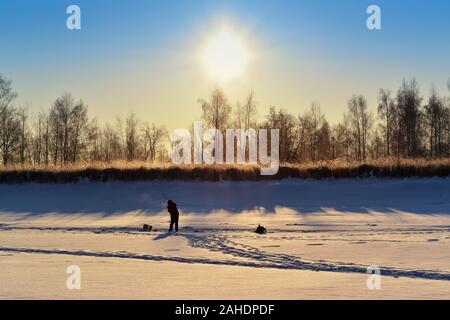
(322, 237)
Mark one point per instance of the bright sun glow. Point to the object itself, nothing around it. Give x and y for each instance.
(225, 55)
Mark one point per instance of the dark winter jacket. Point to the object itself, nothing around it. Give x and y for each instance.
(172, 208)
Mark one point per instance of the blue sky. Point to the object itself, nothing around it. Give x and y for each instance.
(141, 55)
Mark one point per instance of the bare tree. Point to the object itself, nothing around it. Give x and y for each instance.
(287, 124)
(386, 111)
(324, 136)
(409, 113)
(153, 138)
(94, 142)
(78, 127)
(436, 119)
(111, 146)
(216, 112)
(131, 136)
(360, 121)
(46, 137)
(67, 126)
(39, 139)
(23, 148)
(249, 112)
(9, 122)
(376, 145)
(316, 120)
(341, 141)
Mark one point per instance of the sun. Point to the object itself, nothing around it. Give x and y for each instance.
(225, 55)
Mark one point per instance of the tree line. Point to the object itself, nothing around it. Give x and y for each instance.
(405, 125)
(64, 134)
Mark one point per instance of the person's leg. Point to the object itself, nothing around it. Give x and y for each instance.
(171, 225)
(176, 224)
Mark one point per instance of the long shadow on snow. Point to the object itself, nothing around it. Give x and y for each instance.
(423, 196)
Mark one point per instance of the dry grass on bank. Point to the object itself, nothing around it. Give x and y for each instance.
(138, 171)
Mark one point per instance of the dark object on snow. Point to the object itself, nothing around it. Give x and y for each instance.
(174, 214)
(261, 230)
(147, 227)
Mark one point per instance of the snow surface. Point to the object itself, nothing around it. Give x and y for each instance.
(322, 237)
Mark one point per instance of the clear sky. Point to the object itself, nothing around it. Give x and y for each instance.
(144, 55)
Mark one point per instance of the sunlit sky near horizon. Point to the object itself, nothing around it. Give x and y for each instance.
(146, 56)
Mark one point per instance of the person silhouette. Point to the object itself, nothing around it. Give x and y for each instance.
(174, 214)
